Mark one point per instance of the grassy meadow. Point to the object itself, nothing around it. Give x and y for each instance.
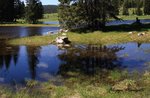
(21, 22)
(96, 37)
(115, 85)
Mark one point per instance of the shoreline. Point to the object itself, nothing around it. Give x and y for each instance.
(97, 37)
(29, 25)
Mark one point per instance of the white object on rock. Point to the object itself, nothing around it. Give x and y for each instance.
(130, 33)
(141, 34)
(59, 40)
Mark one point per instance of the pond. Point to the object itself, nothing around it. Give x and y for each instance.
(112, 22)
(120, 22)
(17, 31)
(18, 63)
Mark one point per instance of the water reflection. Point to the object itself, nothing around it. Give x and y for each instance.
(18, 63)
(89, 59)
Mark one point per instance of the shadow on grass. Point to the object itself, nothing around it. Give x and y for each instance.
(117, 28)
(124, 28)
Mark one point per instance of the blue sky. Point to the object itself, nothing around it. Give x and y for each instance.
(48, 2)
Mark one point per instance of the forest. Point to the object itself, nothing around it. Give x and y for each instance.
(95, 13)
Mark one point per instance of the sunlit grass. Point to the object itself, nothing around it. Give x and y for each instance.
(33, 41)
(50, 17)
(96, 37)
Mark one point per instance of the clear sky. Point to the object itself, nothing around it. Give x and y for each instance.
(48, 2)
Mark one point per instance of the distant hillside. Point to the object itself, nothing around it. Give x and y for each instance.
(50, 9)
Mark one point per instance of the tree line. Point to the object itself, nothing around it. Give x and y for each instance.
(141, 7)
(50, 9)
(11, 10)
(95, 13)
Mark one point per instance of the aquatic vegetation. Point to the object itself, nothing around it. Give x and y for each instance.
(126, 85)
(115, 75)
(90, 88)
(31, 83)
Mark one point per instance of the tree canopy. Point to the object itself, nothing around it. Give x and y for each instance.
(10, 10)
(86, 13)
(34, 11)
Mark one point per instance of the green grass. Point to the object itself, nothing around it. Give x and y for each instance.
(33, 41)
(21, 22)
(54, 17)
(97, 37)
(133, 17)
(50, 17)
(83, 87)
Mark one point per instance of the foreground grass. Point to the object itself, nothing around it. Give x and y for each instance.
(97, 37)
(85, 87)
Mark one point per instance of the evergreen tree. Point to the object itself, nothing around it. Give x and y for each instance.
(85, 13)
(19, 9)
(10, 10)
(116, 6)
(147, 7)
(125, 8)
(34, 11)
(138, 9)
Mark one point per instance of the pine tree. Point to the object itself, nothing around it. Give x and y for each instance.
(147, 7)
(116, 6)
(19, 8)
(10, 10)
(138, 9)
(125, 8)
(34, 11)
(85, 13)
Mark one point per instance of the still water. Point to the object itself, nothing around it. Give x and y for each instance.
(112, 22)
(120, 22)
(19, 31)
(18, 63)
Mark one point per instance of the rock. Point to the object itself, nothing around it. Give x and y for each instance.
(50, 32)
(126, 85)
(61, 31)
(59, 40)
(66, 41)
(141, 34)
(130, 32)
(62, 40)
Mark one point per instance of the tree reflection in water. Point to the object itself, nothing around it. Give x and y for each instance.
(8, 53)
(33, 54)
(89, 59)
